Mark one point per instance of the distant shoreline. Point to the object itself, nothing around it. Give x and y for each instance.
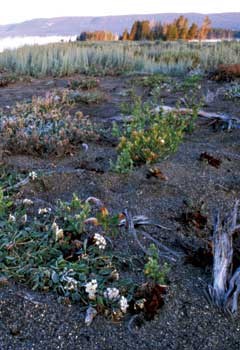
(17, 42)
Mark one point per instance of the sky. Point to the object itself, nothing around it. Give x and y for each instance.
(13, 11)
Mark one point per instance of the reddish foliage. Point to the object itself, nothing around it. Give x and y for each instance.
(153, 296)
(157, 173)
(226, 72)
(195, 219)
(210, 159)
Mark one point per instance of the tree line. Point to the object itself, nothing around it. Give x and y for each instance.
(179, 29)
(98, 35)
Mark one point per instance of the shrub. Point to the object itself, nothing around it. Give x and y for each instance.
(85, 84)
(149, 136)
(226, 72)
(43, 126)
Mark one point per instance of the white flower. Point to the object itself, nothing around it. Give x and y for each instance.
(44, 211)
(11, 218)
(91, 289)
(71, 283)
(162, 141)
(57, 232)
(115, 275)
(27, 201)
(111, 294)
(32, 175)
(100, 241)
(123, 304)
(24, 219)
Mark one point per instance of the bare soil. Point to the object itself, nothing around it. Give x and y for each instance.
(31, 320)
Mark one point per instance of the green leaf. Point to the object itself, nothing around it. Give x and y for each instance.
(55, 277)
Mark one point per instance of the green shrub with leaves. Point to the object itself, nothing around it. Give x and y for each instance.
(149, 136)
(152, 268)
(192, 82)
(84, 83)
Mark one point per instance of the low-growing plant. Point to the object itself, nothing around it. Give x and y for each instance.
(232, 92)
(192, 82)
(7, 79)
(43, 126)
(149, 136)
(85, 84)
(153, 270)
(68, 249)
(153, 81)
(87, 97)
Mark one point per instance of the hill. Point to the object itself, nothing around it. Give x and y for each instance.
(75, 25)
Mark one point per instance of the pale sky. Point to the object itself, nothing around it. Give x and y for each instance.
(20, 10)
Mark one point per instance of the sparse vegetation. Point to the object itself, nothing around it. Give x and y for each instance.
(52, 244)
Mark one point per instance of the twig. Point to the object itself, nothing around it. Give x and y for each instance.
(131, 323)
(131, 229)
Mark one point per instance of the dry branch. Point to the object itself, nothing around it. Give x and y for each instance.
(231, 121)
(226, 284)
(163, 251)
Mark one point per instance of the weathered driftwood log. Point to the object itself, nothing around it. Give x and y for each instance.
(231, 121)
(226, 285)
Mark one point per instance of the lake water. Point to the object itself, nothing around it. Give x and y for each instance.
(15, 42)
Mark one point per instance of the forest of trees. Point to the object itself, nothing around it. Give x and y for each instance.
(179, 29)
(100, 35)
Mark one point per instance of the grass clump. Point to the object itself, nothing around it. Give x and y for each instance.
(149, 136)
(85, 84)
(87, 97)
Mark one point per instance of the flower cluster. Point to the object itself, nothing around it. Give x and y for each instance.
(11, 218)
(71, 283)
(91, 289)
(27, 201)
(100, 241)
(58, 233)
(123, 304)
(42, 211)
(32, 175)
(111, 294)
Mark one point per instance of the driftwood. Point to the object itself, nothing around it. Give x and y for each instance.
(163, 250)
(231, 121)
(225, 289)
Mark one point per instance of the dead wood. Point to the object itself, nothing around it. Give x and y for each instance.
(231, 121)
(225, 289)
(163, 250)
